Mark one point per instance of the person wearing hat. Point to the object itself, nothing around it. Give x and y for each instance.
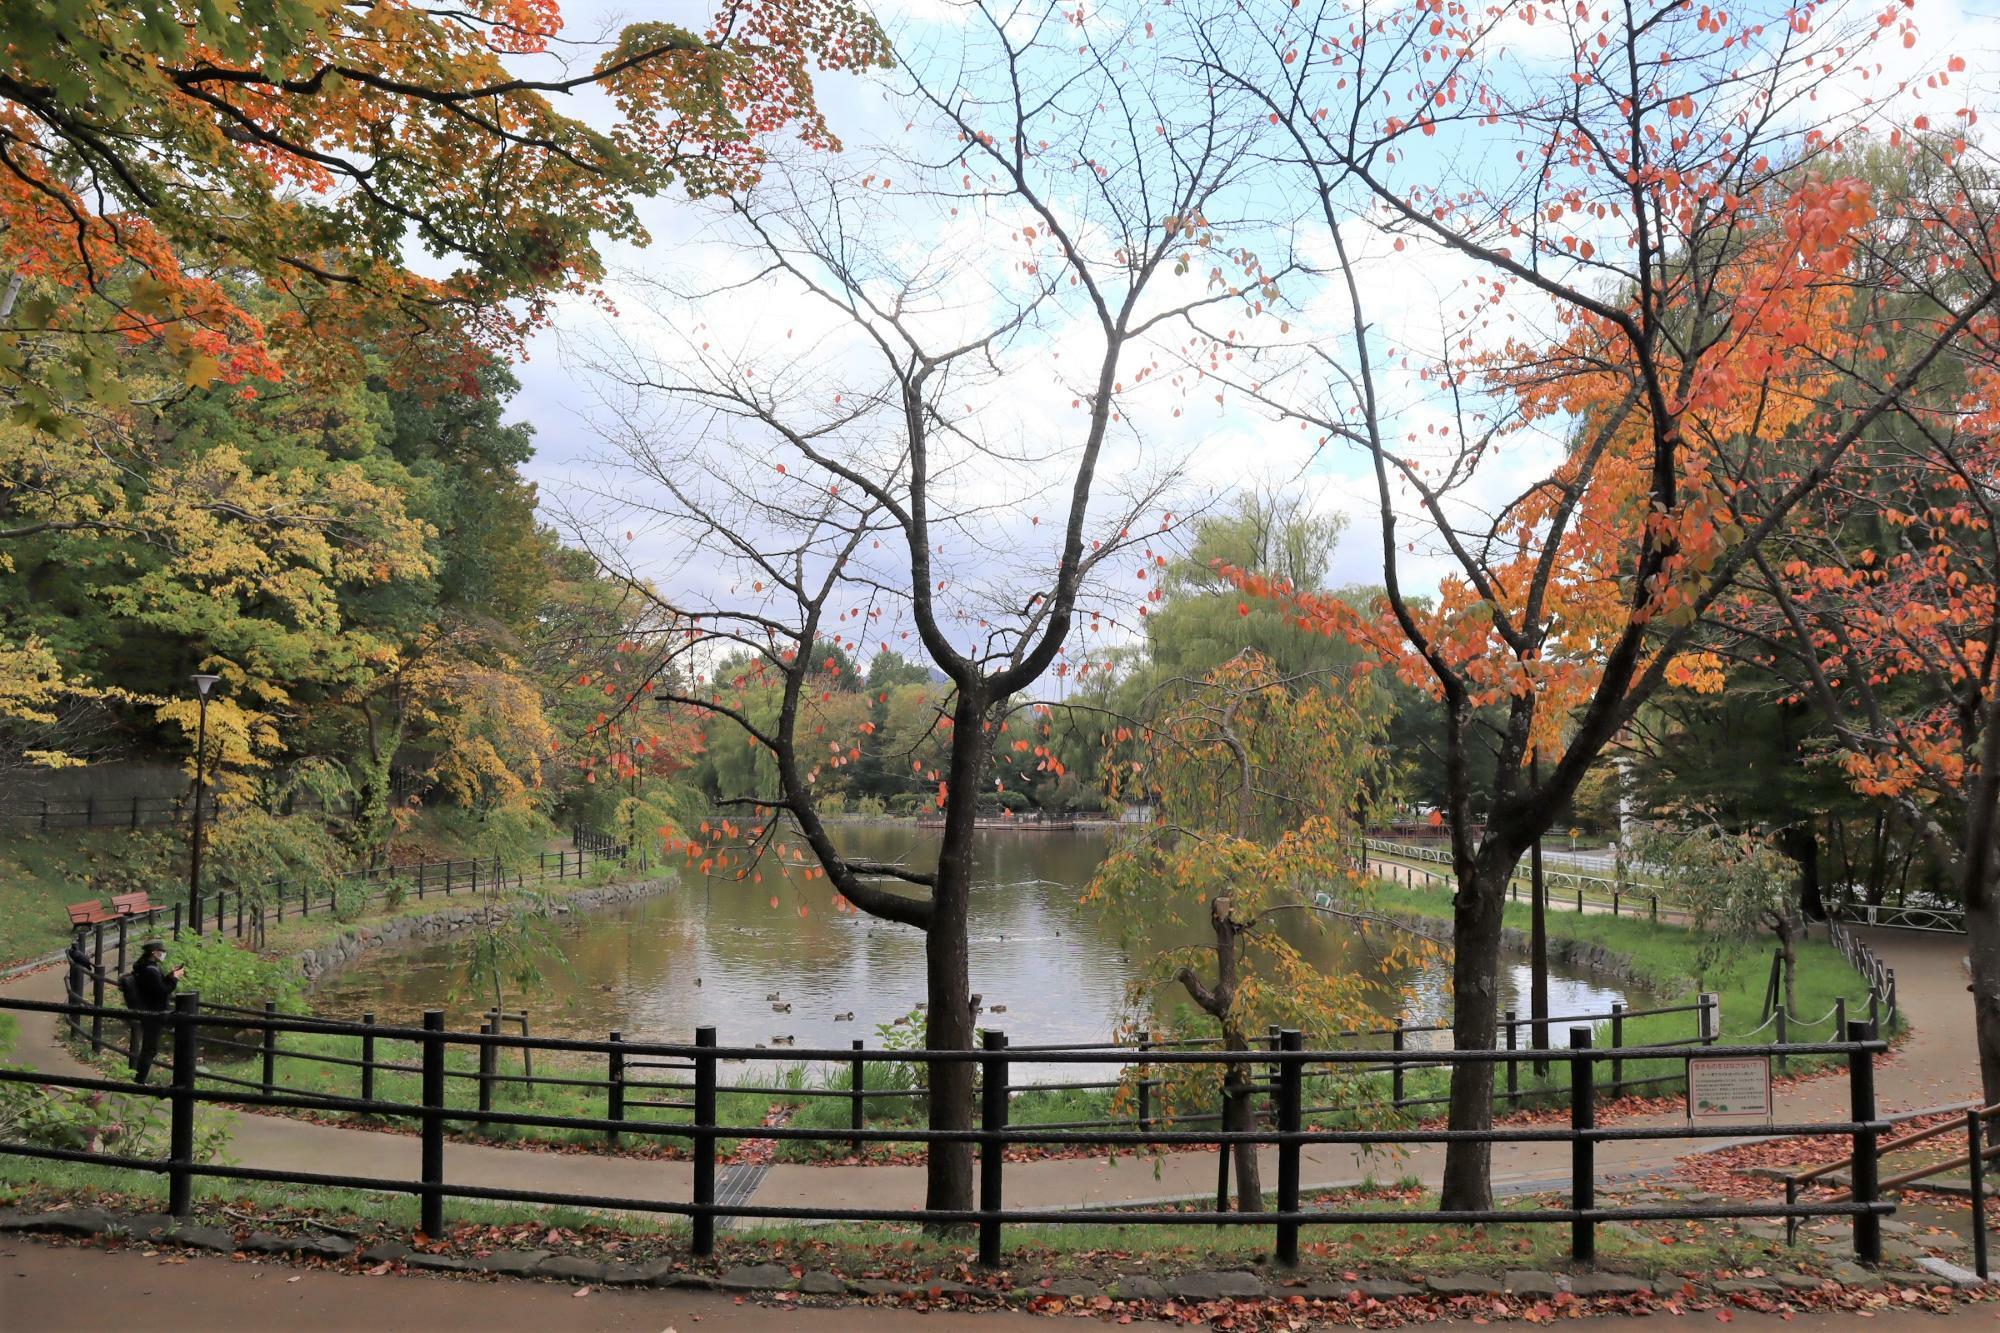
(152, 991)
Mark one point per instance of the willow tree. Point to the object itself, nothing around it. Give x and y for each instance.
(900, 418)
(1255, 774)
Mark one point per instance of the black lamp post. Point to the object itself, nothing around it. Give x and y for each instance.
(203, 684)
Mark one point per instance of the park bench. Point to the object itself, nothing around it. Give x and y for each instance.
(90, 913)
(133, 904)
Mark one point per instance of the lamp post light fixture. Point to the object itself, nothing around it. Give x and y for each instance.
(203, 683)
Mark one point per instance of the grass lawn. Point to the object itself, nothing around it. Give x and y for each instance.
(41, 874)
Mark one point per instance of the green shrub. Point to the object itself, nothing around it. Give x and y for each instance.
(225, 973)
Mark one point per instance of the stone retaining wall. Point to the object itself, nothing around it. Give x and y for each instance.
(319, 963)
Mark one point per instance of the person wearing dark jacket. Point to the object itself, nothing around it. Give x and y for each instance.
(153, 990)
(82, 971)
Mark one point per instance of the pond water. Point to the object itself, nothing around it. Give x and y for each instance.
(1048, 967)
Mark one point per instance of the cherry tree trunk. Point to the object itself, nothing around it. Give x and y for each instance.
(1982, 924)
(1475, 969)
(948, 964)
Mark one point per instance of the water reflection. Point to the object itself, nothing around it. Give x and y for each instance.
(1048, 968)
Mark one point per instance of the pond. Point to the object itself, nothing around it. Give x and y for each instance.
(1048, 967)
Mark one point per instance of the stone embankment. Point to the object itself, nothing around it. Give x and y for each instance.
(353, 945)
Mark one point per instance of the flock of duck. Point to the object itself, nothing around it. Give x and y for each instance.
(780, 1005)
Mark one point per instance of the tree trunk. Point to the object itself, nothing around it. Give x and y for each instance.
(1878, 860)
(1239, 1107)
(1475, 967)
(1979, 889)
(1982, 926)
(948, 962)
(1788, 953)
(1801, 843)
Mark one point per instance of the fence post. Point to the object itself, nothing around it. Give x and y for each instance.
(239, 914)
(1783, 1033)
(857, 1088)
(305, 900)
(1145, 1088)
(447, 877)
(703, 1222)
(270, 1046)
(1975, 1180)
(1709, 1018)
(615, 1093)
(1579, 900)
(220, 921)
(1513, 1066)
(1656, 906)
(121, 944)
(1617, 1060)
(1892, 994)
(992, 1147)
(97, 988)
(1861, 1096)
(490, 1028)
(1271, 1082)
(1582, 1149)
(177, 921)
(180, 1136)
(1396, 1067)
(1291, 1083)
(367, 1059)
(1839, 1014)
(431, 1172)
(1616, 898)
(421, 863)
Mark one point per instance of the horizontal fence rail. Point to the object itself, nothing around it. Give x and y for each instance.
(1567, 890)
(1284, 1069)
(245, 910)
(1901, 916)
(101, 811)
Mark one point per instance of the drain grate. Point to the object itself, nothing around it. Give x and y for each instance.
(735, 1184)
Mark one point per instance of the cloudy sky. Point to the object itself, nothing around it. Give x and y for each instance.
(1412, 296)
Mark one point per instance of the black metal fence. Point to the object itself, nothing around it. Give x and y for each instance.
(702, 1062)
(1565, 890)
(1881, 978)
(43, 814)
(243, 912)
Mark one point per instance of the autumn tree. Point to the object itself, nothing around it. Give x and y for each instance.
(1657, 287)
(913, 466)
(308, 144)
(1252, 771)
(1882, 604)
(227, 199)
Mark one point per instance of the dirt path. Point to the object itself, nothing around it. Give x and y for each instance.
(71, 1289)
(1931, 1068)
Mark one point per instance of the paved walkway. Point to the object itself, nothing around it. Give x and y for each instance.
(67, 1289)
(1932, 1068)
